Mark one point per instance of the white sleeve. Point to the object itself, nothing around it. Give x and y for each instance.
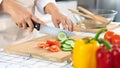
(0, 1)
(42, 3)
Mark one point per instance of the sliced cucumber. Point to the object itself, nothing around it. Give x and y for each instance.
(62, 36)
(66, 43)
(66, 46)
(70, 42)
(67, 49)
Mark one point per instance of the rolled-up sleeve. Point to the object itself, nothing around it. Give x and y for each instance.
(40, 4)
(0, 1)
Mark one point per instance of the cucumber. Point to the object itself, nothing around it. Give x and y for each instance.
(66, 43)
(67, 49)
(70, 42)
(66, 46)
(62, 36)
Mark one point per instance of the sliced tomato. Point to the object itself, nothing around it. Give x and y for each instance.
(54, 48)
(57, 43)
(53, 42)
(50, 42)
(43, 45)
(116, 40)
(108, 35)
(46, 46)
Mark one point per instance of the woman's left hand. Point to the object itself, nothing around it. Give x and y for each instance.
(59, 18)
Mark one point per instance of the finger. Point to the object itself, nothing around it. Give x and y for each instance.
(19, 25)
(35, 19)
(24, 25)
(70, 25)
(64, 25)
(56, 23)
(30, 24)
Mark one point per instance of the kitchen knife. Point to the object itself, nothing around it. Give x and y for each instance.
(51, 30)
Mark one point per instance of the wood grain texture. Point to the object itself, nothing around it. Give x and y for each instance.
(30, 47)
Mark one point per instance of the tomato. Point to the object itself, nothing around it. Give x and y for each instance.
(54, 48)
(57, 43)
(50, 42)
(43, 45)
(108, 35)
(53, 42)
(46, 46)
(116, 40)
(51, 45)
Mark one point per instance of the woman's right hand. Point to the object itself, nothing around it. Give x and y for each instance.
(21, 15)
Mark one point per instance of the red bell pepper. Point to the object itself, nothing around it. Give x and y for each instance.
(108, 56)
(116, 57)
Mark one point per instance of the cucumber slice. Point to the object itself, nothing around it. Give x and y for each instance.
(66, 49)
(66, 46)
(70, 42)
(62, 36)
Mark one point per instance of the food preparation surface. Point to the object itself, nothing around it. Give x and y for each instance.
(11, 61)
(30, 47)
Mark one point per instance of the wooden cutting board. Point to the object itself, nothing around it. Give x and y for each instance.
(30, 47)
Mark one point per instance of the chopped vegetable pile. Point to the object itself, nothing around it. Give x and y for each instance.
(67, 44)
(50, 45)
(63, 43)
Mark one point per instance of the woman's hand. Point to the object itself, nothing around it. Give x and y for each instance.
(58, 18)
(22, 16)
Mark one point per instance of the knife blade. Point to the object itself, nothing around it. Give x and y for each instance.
(51, 30)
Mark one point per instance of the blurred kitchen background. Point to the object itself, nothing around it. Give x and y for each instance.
(97, 4)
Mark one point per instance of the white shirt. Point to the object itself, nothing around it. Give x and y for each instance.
(0, 1)
(40, 4)
(9, 32)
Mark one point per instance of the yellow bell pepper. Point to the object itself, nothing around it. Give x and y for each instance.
(84, 53)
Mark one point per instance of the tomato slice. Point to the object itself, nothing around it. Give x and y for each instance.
(50, 42)
(53, 42)
(57, 43)
(54, 48)
(116, 40)
(43, 45)
(108, 35)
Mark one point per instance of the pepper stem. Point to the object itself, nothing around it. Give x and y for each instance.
(106, 43)
(87, 39)
(98, 33)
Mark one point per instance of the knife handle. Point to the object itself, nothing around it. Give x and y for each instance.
(36, 25)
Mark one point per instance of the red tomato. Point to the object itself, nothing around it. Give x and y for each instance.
(57, 43)
(43, 45)
(46, 46)
(108, 35)
(116, 40)
(53, 42)
(54, 48)
(50, 42)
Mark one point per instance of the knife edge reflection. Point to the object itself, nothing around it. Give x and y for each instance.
(54, 31)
